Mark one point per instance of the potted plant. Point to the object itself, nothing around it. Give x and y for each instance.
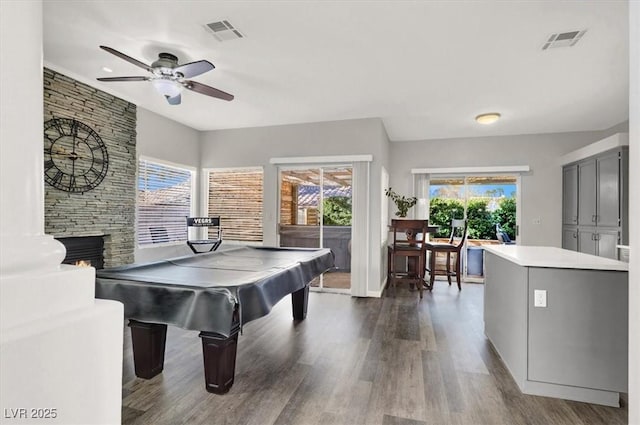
(403, 203)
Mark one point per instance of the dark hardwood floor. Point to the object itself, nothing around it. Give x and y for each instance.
(389, 361)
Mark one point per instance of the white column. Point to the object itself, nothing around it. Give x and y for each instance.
(60, 348)
(634, 212)
(23, 243)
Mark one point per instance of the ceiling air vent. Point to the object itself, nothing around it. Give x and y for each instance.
(563, 39)
(224, 31)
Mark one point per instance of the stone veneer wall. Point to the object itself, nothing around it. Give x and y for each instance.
(110, 208)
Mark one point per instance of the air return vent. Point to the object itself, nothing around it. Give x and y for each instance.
(563, 39)
(224, 31)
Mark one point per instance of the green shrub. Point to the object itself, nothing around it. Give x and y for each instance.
(505, 216)
(336, 211)
(442, 211)
(481, 224)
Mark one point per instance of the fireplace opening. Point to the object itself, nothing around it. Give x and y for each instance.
(84, 251)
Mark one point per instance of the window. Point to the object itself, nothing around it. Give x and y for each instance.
(164, 202)
(236, 196)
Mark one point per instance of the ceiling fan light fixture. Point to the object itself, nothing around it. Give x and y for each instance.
(488, 118)
(167, 88)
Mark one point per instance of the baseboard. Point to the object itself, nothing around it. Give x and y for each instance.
(378, 294)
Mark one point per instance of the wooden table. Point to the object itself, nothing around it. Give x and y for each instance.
(411, 263)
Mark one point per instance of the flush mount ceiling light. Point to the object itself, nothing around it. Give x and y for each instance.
(105, 69)
(488, 118)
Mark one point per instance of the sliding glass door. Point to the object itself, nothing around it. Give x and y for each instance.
(488, 202)
(316, 211)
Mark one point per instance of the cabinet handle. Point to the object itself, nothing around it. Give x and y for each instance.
(575, 235)
(593, 218)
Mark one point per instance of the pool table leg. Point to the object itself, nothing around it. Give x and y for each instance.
(219, 354)
(299, 302)
(148, 340)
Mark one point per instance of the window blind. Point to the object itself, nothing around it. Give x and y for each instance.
(164, 202)
(236, 196)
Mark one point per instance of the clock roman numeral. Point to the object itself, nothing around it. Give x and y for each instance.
(58, 177)
(72, 183)
(59, 127)
(74, 128)
(48, 164)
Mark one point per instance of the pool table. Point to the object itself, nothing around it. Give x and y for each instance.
(215, 293)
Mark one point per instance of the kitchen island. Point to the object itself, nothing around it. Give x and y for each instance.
(559, 321)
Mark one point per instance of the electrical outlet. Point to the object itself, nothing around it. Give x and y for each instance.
(539, 298)
(537, 220)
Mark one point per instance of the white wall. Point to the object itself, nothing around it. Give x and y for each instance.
(541, 188)
(255, 146)
(634, 213)
(161, 138)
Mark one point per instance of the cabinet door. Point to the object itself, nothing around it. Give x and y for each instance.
(587, 193)
(608, 206)
(587, 242)
(607, 241)
(570, 239)
(570, 194)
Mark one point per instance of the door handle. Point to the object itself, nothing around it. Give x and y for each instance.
(575, 235)
(593, 218)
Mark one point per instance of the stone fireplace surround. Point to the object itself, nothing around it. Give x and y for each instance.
(108, 209)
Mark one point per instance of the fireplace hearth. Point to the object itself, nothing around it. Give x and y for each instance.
(84, 251)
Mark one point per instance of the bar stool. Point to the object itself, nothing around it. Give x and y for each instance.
(411, 245)
(452, 247)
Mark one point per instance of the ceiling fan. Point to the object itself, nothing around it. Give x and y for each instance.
(169, 78)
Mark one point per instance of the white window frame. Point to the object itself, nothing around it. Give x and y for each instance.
(192, 207)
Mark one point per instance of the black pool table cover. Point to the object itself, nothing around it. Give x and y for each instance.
(200, 291)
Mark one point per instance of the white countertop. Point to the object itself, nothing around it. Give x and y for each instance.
(552, 257)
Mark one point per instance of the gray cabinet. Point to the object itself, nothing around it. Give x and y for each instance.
(586, 241)
(608, 193)
(607, 241)
(570, 238)
(587, 193)
(595, 241)
(570, 195)
(594, 203)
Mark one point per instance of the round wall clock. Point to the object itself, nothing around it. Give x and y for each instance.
(75, 157)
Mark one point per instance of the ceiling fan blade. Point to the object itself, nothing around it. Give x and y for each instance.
(189, 70)
(127, 58)
(123, 79)
(204, 89)
(175, 100)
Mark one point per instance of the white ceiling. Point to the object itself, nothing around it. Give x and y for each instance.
(426, 68)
